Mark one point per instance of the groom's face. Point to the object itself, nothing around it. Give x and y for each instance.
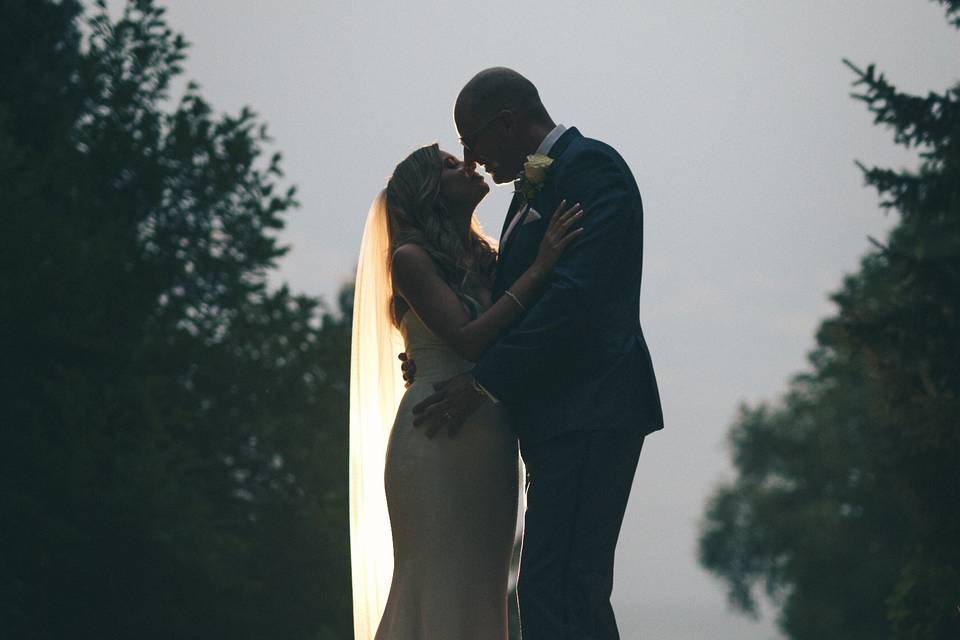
(489, 141)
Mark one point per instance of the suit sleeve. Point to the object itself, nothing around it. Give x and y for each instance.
(536, 343)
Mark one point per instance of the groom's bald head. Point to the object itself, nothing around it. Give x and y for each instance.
(501, 120)
(495, 89)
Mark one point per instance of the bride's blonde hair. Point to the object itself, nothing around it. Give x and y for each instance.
(416, 214)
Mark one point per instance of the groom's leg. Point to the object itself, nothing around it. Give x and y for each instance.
(579, 486)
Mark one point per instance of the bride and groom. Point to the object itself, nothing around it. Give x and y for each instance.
(532, 349)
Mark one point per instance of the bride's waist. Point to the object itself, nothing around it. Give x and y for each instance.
(437, 366)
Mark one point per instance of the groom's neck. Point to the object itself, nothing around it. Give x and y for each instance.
(536, 133)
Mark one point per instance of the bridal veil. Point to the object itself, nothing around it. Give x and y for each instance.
(376, 387)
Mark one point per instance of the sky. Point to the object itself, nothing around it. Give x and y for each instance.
(737, 121)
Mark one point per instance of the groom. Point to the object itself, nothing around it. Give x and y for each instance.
(575, 372)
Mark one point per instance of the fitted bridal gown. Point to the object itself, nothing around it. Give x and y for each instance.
(453, 511)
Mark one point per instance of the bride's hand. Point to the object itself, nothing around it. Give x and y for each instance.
(558, 236)
(409, 368)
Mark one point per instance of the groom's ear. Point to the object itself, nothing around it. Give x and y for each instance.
(508, 118)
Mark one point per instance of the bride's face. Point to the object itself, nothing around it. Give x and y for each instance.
(460, 186)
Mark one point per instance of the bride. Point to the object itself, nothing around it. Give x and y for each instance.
(445, 526)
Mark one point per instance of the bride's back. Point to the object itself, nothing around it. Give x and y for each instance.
(435, 360)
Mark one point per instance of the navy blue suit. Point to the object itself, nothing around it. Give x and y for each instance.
(577, 377)
(578, 360)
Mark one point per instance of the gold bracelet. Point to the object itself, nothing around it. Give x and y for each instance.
(486, 394)
(515, 299)
(478, 388)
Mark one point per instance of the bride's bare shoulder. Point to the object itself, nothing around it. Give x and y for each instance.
(410, 255)
(410, 250)
(409, 261)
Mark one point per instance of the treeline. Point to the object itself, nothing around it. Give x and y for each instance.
(172, 431)
(845, 509)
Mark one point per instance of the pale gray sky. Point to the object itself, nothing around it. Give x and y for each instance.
(736, 120)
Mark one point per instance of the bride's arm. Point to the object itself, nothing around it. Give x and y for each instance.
(416, 278)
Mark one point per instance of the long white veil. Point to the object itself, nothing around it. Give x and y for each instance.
(376, 386)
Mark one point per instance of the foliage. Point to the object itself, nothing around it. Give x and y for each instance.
(174, 432)
(844, 504)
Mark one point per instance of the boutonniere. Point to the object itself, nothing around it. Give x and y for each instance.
(531, 179)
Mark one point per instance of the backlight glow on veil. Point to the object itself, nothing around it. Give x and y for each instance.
(376, 387)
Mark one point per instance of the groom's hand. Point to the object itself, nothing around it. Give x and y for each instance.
(454, 401)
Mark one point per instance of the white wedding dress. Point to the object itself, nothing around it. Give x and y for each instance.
(431, 555)
(453, 511)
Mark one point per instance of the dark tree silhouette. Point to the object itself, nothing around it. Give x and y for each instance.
(173, 438)
(844, 504)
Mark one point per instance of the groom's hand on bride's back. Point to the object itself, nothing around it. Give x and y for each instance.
(409, 368)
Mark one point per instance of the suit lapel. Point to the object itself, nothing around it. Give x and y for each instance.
(558, 148)
(517, 203)
(511, 211)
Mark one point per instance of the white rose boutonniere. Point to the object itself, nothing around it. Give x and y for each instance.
(534, 173)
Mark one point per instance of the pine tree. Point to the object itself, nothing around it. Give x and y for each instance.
(844, 503)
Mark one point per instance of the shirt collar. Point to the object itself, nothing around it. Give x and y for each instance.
(550, 140)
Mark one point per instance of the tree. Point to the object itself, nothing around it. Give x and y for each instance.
(173, 442)
(843, 508)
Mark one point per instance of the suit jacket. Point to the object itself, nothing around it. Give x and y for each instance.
(577, 360)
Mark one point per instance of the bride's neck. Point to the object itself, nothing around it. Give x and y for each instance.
(461, 225)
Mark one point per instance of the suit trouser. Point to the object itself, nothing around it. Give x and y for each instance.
(577, 489)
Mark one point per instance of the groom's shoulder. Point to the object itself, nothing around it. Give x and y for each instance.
(603, 148)
(588, 151)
